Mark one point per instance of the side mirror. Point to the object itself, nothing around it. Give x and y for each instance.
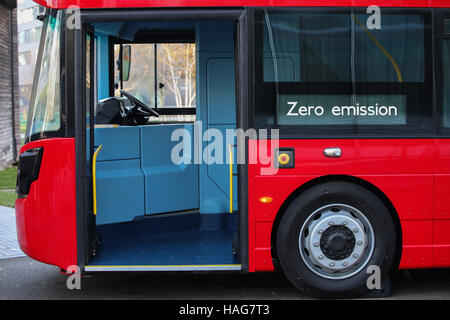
(126, 62)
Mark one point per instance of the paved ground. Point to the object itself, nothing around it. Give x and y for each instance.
(9, 247)
(23, 278)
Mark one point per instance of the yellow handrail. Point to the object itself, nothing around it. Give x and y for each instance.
(94, 178)
(231, 177)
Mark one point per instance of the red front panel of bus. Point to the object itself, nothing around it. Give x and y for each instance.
(413, 173)
(46, 218)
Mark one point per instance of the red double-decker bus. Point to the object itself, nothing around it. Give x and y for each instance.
(310, 137)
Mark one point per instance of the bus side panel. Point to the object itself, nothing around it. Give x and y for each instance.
(402, 169)
(46, 218)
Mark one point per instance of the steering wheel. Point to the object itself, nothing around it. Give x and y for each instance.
(139, 106)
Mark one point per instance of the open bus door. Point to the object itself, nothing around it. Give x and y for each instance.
(144, 211)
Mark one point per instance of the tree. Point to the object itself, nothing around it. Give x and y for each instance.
(176, 67)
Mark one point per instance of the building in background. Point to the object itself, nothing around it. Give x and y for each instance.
(9, 97)
(29, 34)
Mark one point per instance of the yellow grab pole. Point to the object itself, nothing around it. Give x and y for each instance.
(94, 178)
(231, 178)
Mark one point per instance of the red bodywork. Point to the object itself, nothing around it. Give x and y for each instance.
(46, 218)
(414, 174)
(60, 4)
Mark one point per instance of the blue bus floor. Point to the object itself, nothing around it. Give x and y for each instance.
(167, 241)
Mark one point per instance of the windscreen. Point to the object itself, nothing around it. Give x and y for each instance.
(44, 118)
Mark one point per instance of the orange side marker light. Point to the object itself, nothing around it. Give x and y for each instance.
(266, 200)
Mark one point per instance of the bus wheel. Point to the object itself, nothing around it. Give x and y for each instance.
(330, 235)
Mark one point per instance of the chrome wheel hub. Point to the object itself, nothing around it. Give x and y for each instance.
(336, 241)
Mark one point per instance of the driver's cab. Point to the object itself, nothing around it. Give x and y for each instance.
(160, 99)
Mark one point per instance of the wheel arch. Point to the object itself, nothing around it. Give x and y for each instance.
(338, 178)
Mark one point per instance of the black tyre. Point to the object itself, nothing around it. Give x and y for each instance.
(330, 235)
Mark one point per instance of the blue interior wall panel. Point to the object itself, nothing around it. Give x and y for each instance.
(216, 107)
(127, 31)
(221, 90)
(162, 185)
(118, 143)
(120, 190)
(102, 67)
(169, 186)
(131, 29)
(215, 36)
(219, 174)
(139, 160)
(120, 180)
(108, 28)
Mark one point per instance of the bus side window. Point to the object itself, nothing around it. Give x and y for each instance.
(445, 78)
(327, 73)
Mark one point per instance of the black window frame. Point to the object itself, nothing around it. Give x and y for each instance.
(89, 107)
(347, 131)
(150, 37)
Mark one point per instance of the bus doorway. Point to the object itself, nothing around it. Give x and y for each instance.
(158, 95)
